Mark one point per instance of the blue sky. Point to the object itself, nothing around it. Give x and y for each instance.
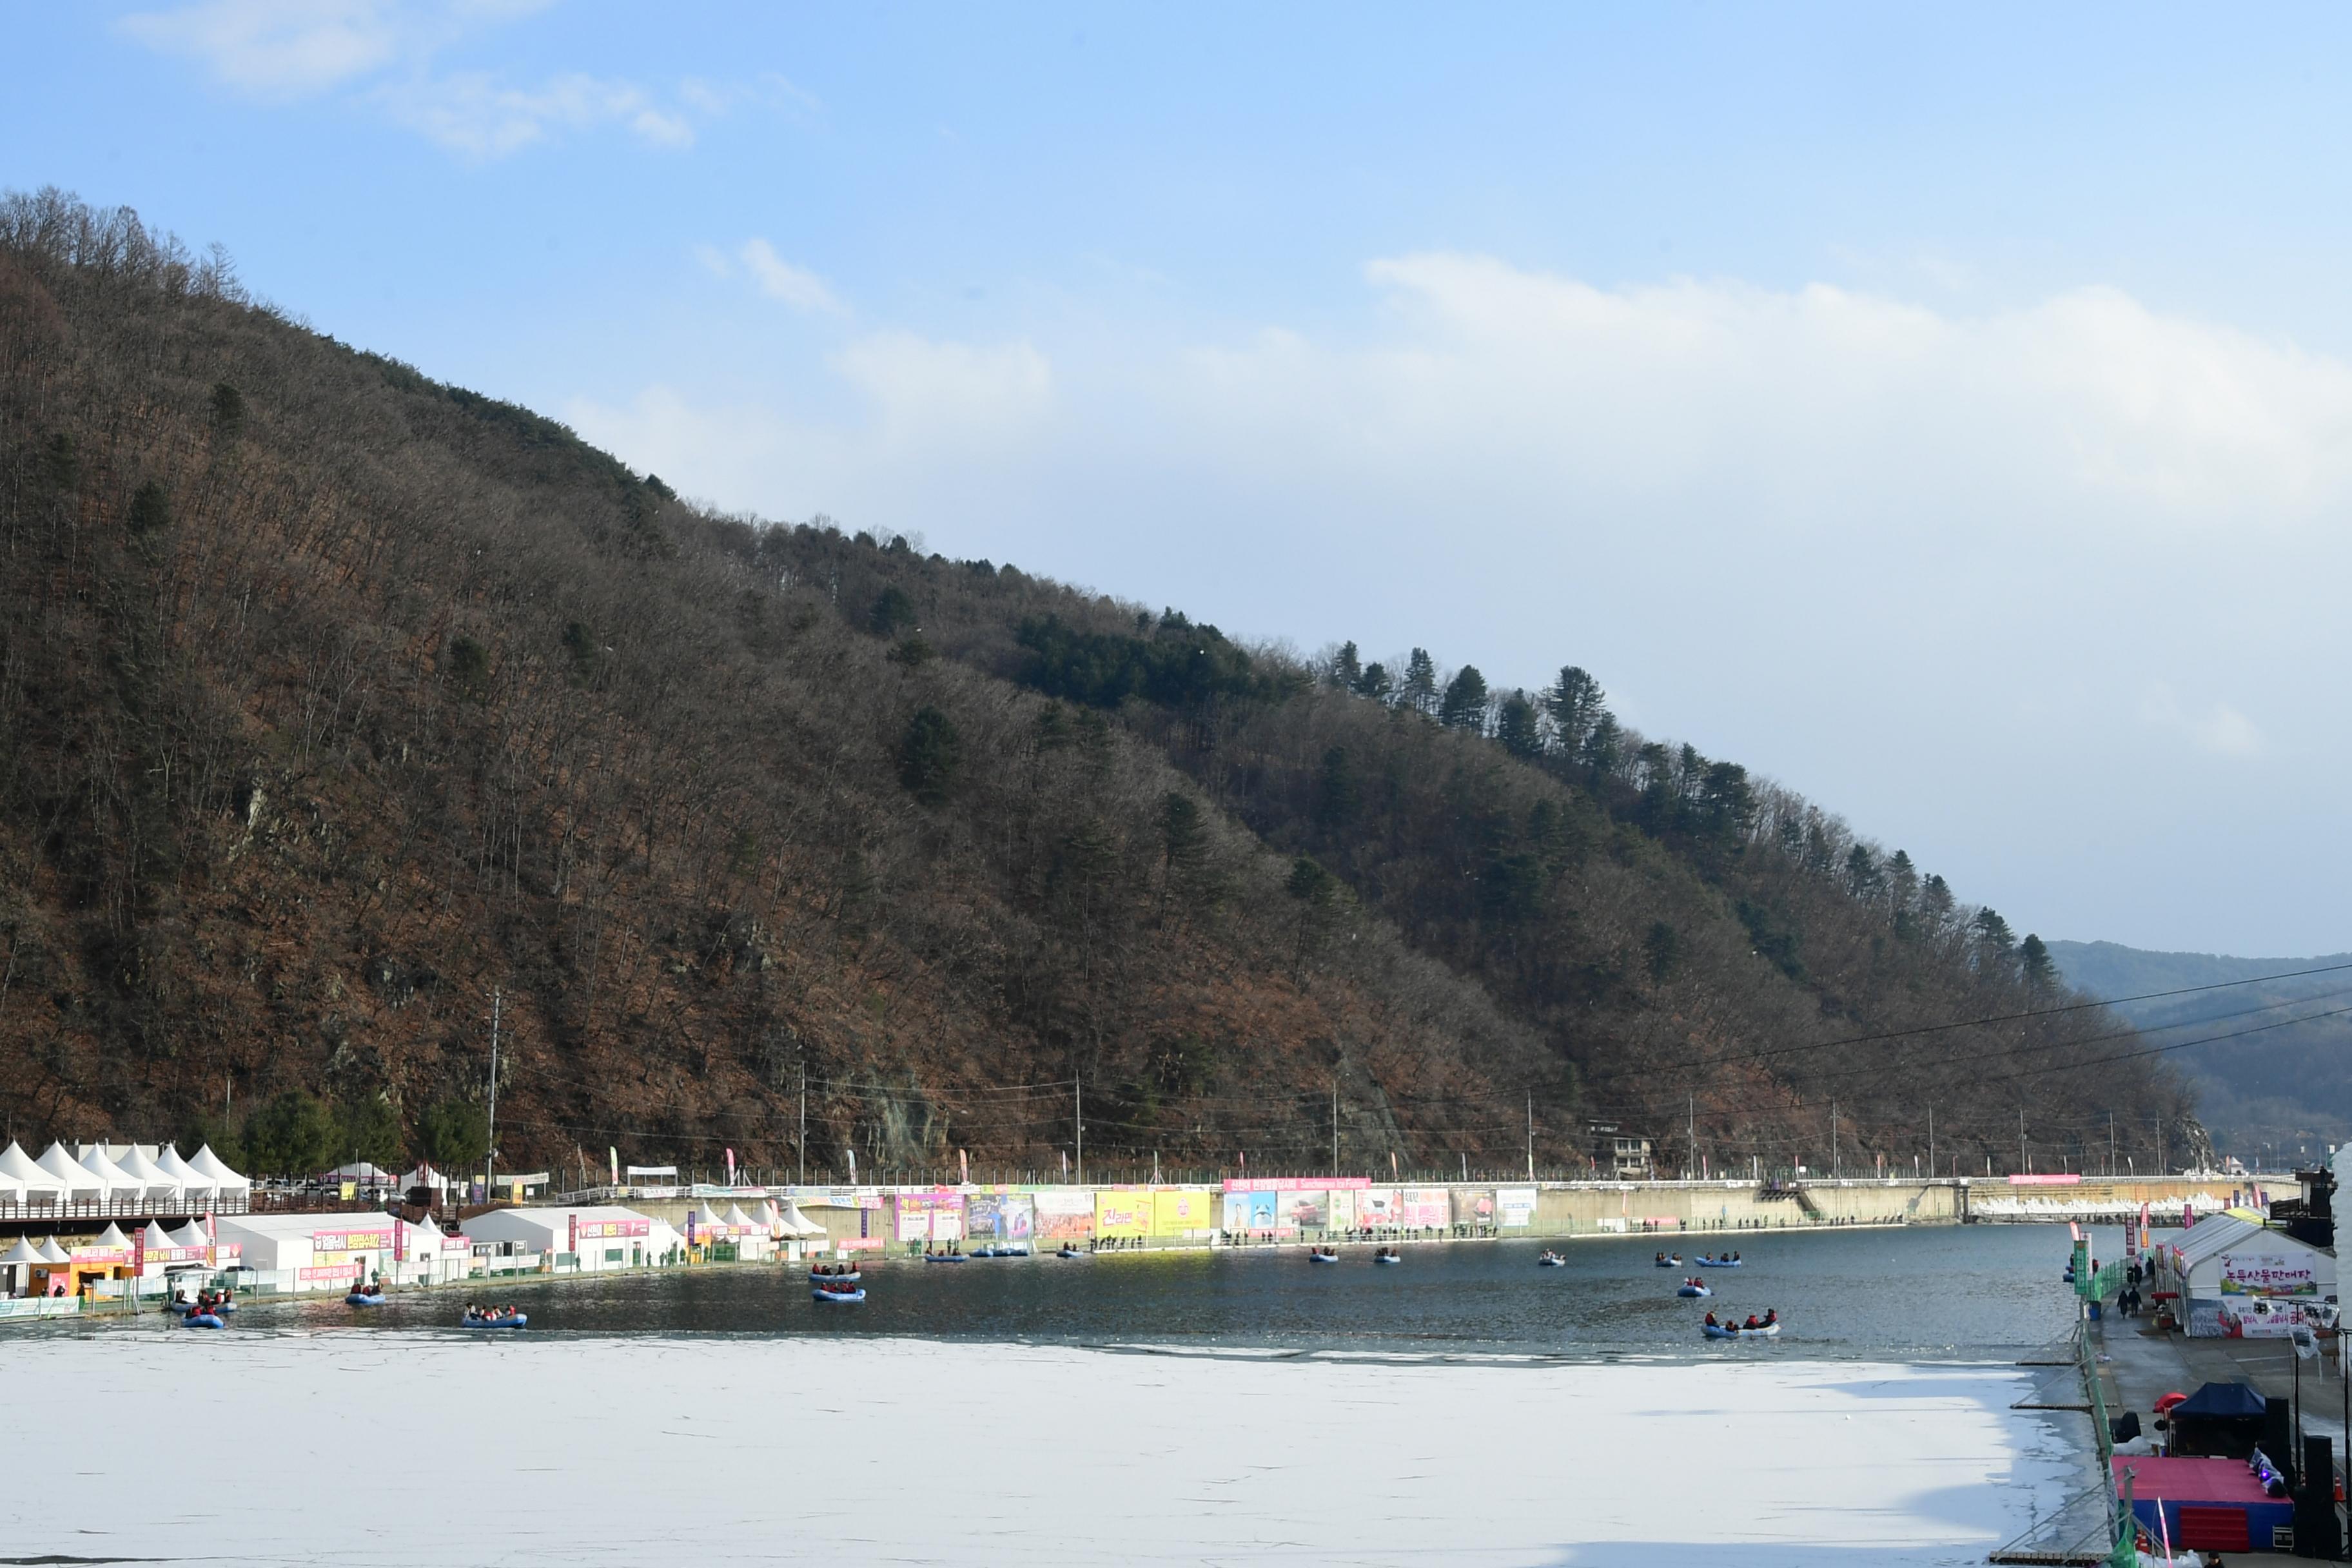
(1949, 414)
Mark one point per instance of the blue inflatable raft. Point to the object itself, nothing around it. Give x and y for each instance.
(471, 1321)
(840, 1298)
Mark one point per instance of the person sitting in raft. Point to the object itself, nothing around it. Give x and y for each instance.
(1711, 1322)
(1771, 1316)
(1751, 1323)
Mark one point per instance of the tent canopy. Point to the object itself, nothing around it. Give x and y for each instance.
(134, 1161)
(61, 1165)
(797, 1223)
(156, 1236)
(180, 1170)
(112, 1236)
(190, 1234)
(52, 1253)
(360, 1171)
(2223, 1400)
(21, 1169)
(21, 1253)
(741, 1221)
(112, 1177)
(205, 1163)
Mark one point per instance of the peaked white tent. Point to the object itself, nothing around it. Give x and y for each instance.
(112, 1236)
(117, 1182)
(743, 1224)
(32, 1183)
(798, 1223)
(708, 1223)
(190, 1234)
(80, 1185)
(194, 1187)
(157, 1238)
(133, 1161)
(208, 1164)
(52, 1253)
(22, 1252)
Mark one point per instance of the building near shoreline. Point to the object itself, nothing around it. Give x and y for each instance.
(315, 1251)
(2238, 1279)
(600, 1236)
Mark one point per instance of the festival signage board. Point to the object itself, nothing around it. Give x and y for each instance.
(2073, 1179)
(1305, 1211)
(929, 1217)
(604, 1230)
(1007, 1217)
(1122, 1212)
(2245, 1317)
(1380, 1206)
(367, 1238)
(2268, 1274)
(1340, 1208)
(1259, 1212)
(1474, 1206)
(1295, 1184)
(325, 1272)
(1514, 1207)
(1426, 1208)
(1183, 1212)
(1064, 1214)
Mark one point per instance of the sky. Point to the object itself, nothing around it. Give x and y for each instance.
(1946, 413)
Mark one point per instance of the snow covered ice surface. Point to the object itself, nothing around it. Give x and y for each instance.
(393, 1449)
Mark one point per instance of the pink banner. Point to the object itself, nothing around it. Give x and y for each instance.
(2045, 1180)
(1295, 1184)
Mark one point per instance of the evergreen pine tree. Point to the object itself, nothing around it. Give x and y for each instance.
(1516, 729)
(1465, 704)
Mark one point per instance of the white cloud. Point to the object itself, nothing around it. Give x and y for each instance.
(1953, 571)
(475, 114)
(780, 280)
(384, 52)
(276, 47)
(2217, 727)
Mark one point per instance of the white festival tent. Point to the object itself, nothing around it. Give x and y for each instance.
(52, 1253)
(20, 1169)
(194, 1186)
(708, 1223)
(426, 1176)
(190, 1234)
(157, 1238)
(81, 1187)
(796, 1223)
(161, 1184)
(118, 1183)
(743, 1224)
(21, 1253)
(112, 1237)
(207, 1165)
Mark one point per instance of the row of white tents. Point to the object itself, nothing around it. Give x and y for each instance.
(124, 1177)
(785, 1224)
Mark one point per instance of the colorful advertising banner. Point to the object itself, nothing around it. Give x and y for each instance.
(2245, 1317)
(1122, 1214)
(1474, 1206)
(930, 1216)
(1002, 1216)
(373, 1239)
(1306, 1211)
(1251, 1211)
(1379, 1206)
(2267, 1274)
(600, 1229)
(1426, 1207)
(1339, 1209)
(1183, 1213)
(1514, 1207)
(1064, 1216)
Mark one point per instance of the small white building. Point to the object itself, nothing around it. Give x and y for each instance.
(600, 1236)
(315, 1251)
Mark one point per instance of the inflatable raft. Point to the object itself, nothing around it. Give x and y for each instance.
(1551, 1260)
(1668, 1262)
(845, 1298)
(1694, 1291)
(1388, 1257)
(202, 1320)
(1727, 1332)
(853, 1277)
(363, 1298)
(518, 1320)
(1069, 1252)
(946, 1256)
(1718, 1263)
(1322, 1258)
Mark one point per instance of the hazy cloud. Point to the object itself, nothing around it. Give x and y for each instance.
(385, 54)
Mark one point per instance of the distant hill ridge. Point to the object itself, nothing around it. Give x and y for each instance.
(2284, 1087)
(338, 697)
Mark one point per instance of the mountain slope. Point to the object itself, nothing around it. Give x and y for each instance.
(2276, 1093)
(336, 697)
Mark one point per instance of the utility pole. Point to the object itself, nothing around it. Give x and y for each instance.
(2024, 1164)
(1837, 1169)
(2111, 1146)
(1931, 1138)
(1078, 1094)
(803, 1139)
(1335, 1124)
(1690, 1135)
(1531, 1135)
(490, 1154)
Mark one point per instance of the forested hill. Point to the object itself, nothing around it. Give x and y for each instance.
(2278, 1090)
(335, 697)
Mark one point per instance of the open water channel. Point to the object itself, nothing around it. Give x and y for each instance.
(1963, 1292)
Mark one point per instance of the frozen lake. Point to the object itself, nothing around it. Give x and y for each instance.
(393, 1448)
